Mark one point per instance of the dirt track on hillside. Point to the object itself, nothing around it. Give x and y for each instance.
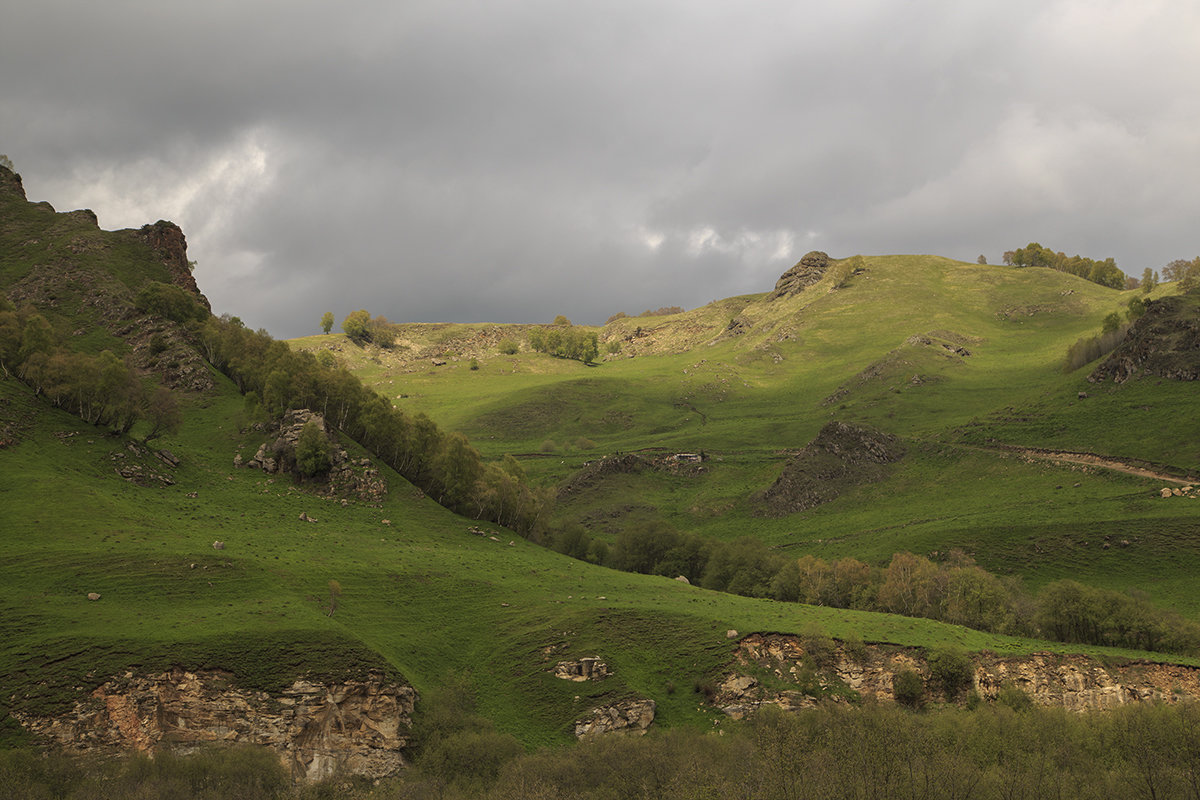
(1129, 467)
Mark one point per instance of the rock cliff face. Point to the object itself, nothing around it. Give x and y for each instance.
(1074, 682)
(841, 456)
(1164, 342)
(809, 270)
(167, 240)
(357, 727)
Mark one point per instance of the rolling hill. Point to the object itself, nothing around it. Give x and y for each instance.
(202, 565)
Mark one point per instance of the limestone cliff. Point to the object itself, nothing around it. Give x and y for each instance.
(776, 669)
(316, 729)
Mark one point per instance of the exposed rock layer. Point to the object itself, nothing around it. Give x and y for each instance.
(627, 717)
(810, 269)
(1163, 342)
(356, 727)
(1074, 682)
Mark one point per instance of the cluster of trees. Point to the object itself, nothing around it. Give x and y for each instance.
(832, 752)
(444, 465)
(1112, 332)
(363, 329)
(954, 590)
(664, 311)
(564, 340)
(1186, 272)
(101, 389)
(1105, 273)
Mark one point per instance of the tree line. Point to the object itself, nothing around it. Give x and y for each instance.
(100, 389)
(953, 589)
(1105, 273)
(564, 340)
(444, 465)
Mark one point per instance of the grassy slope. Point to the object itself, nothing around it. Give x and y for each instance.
(749, 400)
(419, 596)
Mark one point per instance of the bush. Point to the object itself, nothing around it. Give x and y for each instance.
(169, 301)
(951, 671)
(908, 688)
(509, 347)
(312, 451)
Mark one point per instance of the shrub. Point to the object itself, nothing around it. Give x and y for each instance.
(950, 670)
(169, 301)
(509, 347)
(1012, 696)
(908, 688)
(613, 347)
(474, 363)
(312, 451)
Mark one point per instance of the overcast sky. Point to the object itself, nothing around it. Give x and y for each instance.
(508, 161)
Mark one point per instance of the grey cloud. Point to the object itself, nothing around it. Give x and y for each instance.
(508, 162)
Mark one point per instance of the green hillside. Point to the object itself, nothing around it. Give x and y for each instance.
(206, 565)
(957, 359)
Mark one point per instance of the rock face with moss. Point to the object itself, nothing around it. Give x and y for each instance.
(316, 729)
(785, 671)
(1164, 342)
(345, 477)
(810, 269)
(840, 457)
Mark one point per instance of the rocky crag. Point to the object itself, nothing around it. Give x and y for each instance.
(1164, 342)
(807, 271)
(840, 457)
(62, 266)
(316, 729)
(780, 670)
(348, 478)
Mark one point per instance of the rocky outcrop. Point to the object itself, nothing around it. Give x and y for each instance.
(808, 271)
(585, 669)
(10, 182)
(316, 729)
(1071, 681)
(631, 717)
(166, 239)
(1164, 342)
(348, 478)
(840, 457)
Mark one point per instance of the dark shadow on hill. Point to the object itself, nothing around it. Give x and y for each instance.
(1164, 342)
(841, 457)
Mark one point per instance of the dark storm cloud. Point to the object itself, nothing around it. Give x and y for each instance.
(512, 161)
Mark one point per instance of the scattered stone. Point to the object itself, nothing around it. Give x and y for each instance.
(731, 634)
(387, 522)
(683, 579)
(305, 517)
(93, 596)
(218, 545)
